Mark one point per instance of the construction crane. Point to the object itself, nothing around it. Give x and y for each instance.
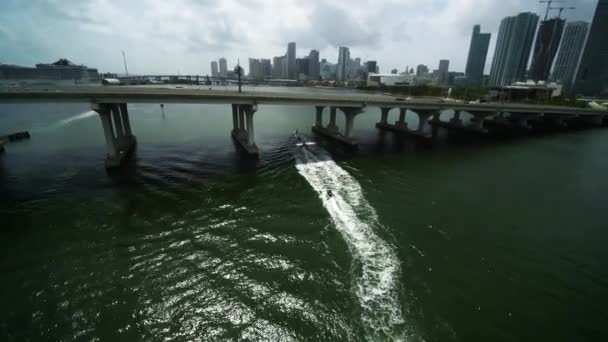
(561, 9)
(549, 2)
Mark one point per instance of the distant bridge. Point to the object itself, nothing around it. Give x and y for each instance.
(111, 104)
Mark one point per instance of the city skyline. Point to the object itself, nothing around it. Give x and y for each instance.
(428, 32)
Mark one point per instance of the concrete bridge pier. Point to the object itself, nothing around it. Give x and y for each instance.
(522, 121)
(384, 116)
(350, 113)
(319, 116)
(332, 126)
(401, 126)
(423, 122)
(478, 121)
(558, 122)
(332, 131)
(235, 119)
(401, 123)
(456, 120)
(243, 128)
(120, 141)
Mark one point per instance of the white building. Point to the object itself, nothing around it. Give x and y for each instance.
(375, 80)
(343, 64)
(223, 68)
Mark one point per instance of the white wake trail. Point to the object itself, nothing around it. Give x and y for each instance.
(376, 282)
(71, 119)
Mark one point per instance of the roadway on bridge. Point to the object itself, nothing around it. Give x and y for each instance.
(157, 94)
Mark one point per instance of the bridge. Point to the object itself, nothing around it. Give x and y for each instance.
(111, 103)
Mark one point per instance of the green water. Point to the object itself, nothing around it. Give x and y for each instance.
(475, 240)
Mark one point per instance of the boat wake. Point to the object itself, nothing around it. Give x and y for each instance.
(376, 268)
(74, 118)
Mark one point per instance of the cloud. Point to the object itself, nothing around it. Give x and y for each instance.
(165, 36)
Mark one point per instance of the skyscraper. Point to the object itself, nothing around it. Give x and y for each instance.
(513, 47)
(214, 70)
(570, 53)
(443, 71)
(303, 66)
(223, 68)
(278, 67)
(592, 75)
(266, 67)
(371, 66)
(292, 72)
(547, 42)
(314, 68)
(478, 52)
(422, 70)
(343, 64)
(255, 69)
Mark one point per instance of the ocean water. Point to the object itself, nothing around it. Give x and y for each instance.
(465, 239)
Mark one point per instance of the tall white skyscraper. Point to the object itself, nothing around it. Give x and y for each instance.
(292, 69)
(569, 53)
(223, 67)
(214, 69)
(343, 64)
(513, 48)
(592, 74)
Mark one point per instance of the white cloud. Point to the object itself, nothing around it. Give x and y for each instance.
(185, 35)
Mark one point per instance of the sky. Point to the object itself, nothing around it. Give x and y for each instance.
(184, 36)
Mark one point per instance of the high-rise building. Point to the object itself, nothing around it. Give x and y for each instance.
(570, 53)
(592, 74)
(422, 70)
(328, 70)
(303, 66)
(314, 67)
(292, 71)
(278, 66)
(513, 46)
(394, 71)
(223, 67)
(442, 72)
(355, 66)
(547, 41)
(255, 69)
(371, 67)
(478, 52)
(266, 68)
(214, 69)
(343, 64)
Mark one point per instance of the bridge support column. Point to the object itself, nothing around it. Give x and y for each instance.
(242, 123)
(332, 127)
(384, 115)
(235, 118)
(401, 126)
(245, 134)
(126, 122)
(120, 141)
(477, 123)
(331, 131)
(523, 122)
(423, 120)
(456, 120)
(402, 123)
(319, 116)
(350, 114)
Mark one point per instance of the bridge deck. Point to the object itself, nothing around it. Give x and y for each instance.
(170, 95)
